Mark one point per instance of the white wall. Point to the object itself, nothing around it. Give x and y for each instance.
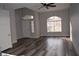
(12, 21)
(37, 25)
(74, 18)
(65, 23)
(13, 26)
(26, 26)
(5, 31)
(18, 23)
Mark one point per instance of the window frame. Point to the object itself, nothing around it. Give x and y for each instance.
(52, 20)
(32, 26)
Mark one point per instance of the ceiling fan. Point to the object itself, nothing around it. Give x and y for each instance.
(47, 5)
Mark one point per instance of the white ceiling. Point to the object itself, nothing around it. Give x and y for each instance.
(36, 6)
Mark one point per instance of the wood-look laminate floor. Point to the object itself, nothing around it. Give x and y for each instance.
(43, 46)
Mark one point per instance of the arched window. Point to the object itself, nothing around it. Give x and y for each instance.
(54, 24)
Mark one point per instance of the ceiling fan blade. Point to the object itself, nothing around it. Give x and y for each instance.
(43, 4)
(41, 7)
(52, 6)
(50, 3)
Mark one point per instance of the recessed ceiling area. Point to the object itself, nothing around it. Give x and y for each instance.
(36, 6)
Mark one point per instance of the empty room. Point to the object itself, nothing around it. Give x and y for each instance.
(39, 29)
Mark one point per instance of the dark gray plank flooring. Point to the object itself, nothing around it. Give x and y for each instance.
(43, 46)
